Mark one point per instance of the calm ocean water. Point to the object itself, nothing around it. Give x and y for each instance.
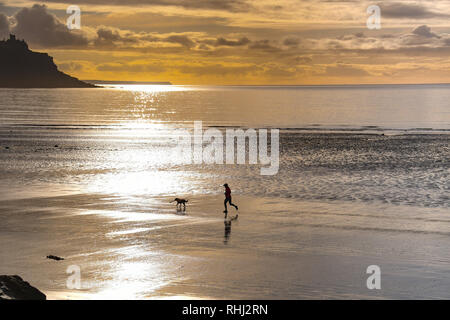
(364, 173)
(108, 139)
(336, 107)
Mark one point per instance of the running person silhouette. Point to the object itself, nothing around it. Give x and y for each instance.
(228, 199)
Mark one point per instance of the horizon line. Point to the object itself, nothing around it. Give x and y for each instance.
(263, 85)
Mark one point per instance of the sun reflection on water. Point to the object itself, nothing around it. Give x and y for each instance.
(138, 169)
(150, 88)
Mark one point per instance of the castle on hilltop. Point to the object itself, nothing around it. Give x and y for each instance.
(12, 42)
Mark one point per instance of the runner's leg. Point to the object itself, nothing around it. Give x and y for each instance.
(233, 204)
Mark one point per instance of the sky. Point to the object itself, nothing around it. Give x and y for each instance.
(240, 42)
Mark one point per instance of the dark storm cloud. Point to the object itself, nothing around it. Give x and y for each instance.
(40, 27)
(425, 31)
(224, 5)
(409, 11)
(291, 41)
(419, 41)
(231, 43)
(107, 36)
(183, 40)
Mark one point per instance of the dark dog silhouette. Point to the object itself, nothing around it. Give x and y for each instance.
(180, 202)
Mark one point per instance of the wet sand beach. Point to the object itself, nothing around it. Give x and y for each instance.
(305, 250)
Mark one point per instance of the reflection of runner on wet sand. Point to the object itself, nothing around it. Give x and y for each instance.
(227, 224)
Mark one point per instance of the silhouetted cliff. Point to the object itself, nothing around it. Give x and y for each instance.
(14, 288)
(22, 68)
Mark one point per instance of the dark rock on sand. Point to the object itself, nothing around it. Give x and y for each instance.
(14, 288)
(54, 258)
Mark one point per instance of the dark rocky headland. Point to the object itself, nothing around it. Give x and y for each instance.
(22, 68)
(14, 288)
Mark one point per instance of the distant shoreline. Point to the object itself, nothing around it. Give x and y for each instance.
(324, 85)
(127, 82)
(101, 82)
